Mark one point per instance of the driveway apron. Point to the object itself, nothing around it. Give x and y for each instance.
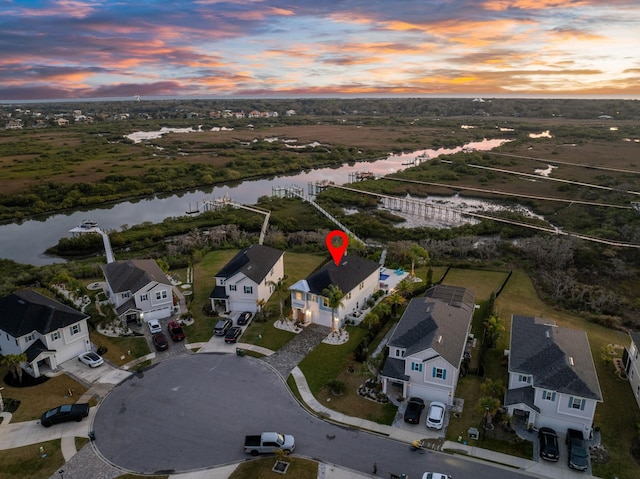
(288, 357)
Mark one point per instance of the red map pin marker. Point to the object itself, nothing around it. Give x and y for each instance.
(337, 251)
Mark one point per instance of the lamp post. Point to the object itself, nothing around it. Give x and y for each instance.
(484, 429)
(61, 472)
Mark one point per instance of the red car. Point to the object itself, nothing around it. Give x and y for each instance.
(175, 331)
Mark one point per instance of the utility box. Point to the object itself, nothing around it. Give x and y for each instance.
(473, 433)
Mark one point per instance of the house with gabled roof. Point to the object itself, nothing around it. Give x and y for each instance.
(552, 376)
(631, 363)
(139, 290)
(427, 346)
(249, 277)
(45, 330)
(358, 278)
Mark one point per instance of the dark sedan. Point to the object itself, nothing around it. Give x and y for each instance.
(65, 413)
(160, 341)
(548, 444)
(232, 334)
(414, 410)
(244, 318)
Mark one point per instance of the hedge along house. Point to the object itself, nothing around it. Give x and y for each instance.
(358, 278)
(45, 330)
(427, 347)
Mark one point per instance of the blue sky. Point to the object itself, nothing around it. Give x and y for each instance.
(87, 49)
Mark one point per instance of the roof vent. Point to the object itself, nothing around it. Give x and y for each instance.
(439, 339)
(571, 360)
(547, 334)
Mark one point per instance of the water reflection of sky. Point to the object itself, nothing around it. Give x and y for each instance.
(27, 241)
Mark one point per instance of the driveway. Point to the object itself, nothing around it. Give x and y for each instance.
(193, 411)
(105, 373)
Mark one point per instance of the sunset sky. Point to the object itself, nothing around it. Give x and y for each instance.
(55, 49)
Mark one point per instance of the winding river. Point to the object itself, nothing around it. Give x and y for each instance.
(26, 242)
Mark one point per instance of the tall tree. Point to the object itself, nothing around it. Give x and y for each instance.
(417, 252)
(280, 287)
(334, 297)
(14, 364)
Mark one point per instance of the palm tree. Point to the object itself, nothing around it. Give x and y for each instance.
(334, 297)
(395, 300)
(260, 303)
(14, 364)
(280, 287)
(416, 252)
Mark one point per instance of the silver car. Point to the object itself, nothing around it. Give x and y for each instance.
(91, 359)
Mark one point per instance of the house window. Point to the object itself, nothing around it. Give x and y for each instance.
(126, 294)
(399, 353)
(524, 379)
(549, 395)
(232, 287)
(439, 373)
(313, 298)
(416, 367)
(325, 302)
(55, 335)
(161, 295)
(75, 329)
(631, 375)
(144, 297)
(248, 290)
(361, 285)
(30, 337)
(576, 403)
(348, 296)
(638, 391)
(298, 295)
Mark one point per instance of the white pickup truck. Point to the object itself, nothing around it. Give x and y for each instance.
(269, 442)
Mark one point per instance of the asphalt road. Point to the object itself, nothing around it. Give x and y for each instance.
(193, 411)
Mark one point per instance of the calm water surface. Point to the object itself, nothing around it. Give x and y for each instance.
(27, 241)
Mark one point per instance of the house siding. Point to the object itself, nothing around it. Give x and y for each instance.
(633, 368)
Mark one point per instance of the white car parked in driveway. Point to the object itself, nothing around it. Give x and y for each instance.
(435, 416)
(91, 359)
(154, 326)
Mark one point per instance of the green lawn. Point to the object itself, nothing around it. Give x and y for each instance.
(28, 461)
(261, 469)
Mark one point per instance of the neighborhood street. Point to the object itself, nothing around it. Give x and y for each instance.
(193, 411)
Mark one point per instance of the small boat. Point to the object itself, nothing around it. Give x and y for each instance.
(88, 224)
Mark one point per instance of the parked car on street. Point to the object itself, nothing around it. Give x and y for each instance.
(175, 331)
(65, 413)
(578, 458)
(435, 415)
(222, 326)
(244, 318)
(232, 335)
(414, 411)
(91, 359)
(160, 341)
(435, 475)
(154, 326)
(548, 444)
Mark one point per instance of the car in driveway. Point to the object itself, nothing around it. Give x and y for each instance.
(65, 413)
(578, 458)
(222, 326)
(175, 331)
(435, 415)
(244, 318)
(232, 335)
(548, 444)
(160, 341)
(414, 411)
(435, 475)
(91, 359)
(154, 326)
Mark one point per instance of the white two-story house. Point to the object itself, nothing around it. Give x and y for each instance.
(139, 290)
(426, 349)
(631, 361)
(552, 376)
(45, 330)
(249, 277)
(358, 278)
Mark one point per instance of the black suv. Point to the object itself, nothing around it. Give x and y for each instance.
(222, 326)
(413, 411)
(244, 318)
(578, 458)
(548, 444)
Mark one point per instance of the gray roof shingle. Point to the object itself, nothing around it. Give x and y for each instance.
(559, 359)
(26, 311)
(349, 273)
(254, 262)
(133, 275)
(438, 320)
